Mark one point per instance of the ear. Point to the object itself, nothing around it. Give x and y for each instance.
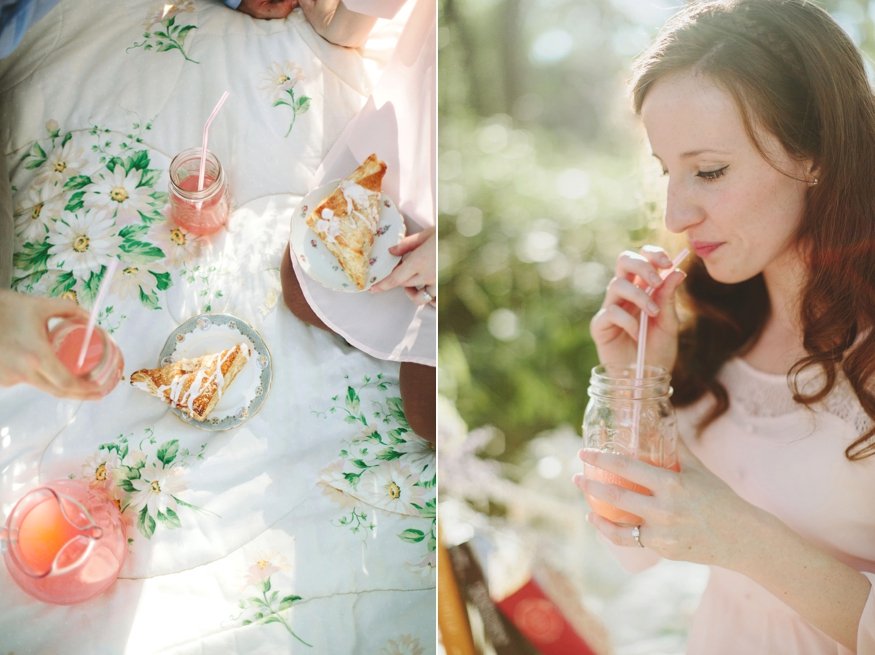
(813, 174)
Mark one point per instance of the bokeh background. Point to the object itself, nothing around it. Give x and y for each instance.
(544, 178)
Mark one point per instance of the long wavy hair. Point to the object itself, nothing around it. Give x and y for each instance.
(794, 73)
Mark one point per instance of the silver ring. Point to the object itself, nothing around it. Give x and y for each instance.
(636, 532)
(428, 296)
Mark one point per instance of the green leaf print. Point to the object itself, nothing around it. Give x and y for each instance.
(132, 232)
(286, 602)
(302, 105)
(412, 536)
(91, 286)
(150, 299)
(183, 33)
(167, 452)
(139, 161)
(388, 454)
(352, 401)
(33, 256)
(145, 523)
(141, 252)
(396, 409)
(169, 520)
(63, 283)
(77, 182)
(76, 202)
(164, 281)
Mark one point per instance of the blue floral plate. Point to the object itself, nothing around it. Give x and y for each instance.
(318, 262)
(211, 333)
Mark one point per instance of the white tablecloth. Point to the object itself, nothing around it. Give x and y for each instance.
(325, 494)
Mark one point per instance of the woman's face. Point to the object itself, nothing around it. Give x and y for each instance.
(738, 211)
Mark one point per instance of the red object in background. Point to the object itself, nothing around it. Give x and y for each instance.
(538, 618)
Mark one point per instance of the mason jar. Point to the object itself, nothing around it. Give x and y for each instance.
(204, 211)
(103, 361)
(633, 417)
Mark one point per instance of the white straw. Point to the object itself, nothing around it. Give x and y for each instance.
(642, 346)
(200, 179)
(95, 308)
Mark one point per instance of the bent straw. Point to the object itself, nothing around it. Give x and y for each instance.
(200, 179)
(642, 346)
(98, 302)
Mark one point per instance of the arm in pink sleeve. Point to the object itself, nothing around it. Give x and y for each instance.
(866, 631)
(378, 8)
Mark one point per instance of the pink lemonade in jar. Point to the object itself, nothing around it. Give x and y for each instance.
(103, 361)
(198, 211)
(600, 507)
(68, 351)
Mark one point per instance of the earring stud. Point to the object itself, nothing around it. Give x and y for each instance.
(814, 183)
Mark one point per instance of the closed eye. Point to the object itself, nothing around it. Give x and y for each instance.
(710, 176)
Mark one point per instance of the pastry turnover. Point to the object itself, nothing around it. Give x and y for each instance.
(194, 385)
(346, 221)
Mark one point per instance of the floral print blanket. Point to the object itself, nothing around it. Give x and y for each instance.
(311, 526)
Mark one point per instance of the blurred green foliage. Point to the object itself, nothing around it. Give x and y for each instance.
(544, 178)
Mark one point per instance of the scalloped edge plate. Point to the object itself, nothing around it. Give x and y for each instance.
(316, 260)
(211, 333)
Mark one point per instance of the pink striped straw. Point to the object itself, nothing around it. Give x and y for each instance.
(642, 346)
(95, 308)
(200, 179)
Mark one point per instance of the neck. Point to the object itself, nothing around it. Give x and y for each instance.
(784, 279)
(780, 344)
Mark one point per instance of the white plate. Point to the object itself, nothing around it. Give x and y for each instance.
(317, 261)
(212, 333)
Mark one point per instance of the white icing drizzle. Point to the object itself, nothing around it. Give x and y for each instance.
(357, 202)
(201, 380)
(329, 225)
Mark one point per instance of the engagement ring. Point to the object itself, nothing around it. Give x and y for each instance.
(636, 532)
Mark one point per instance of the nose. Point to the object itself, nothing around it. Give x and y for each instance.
(682, 211)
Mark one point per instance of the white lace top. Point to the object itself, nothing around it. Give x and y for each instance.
(790, 461)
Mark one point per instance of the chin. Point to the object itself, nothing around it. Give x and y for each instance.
(727, 274)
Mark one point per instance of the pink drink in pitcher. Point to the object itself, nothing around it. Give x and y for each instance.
(64, 542)
(103, 360)
(199, 212)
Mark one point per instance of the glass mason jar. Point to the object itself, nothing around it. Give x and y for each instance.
(204, 211)
(103, 361)
(632, 417)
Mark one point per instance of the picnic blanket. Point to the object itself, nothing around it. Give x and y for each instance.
(311, 526)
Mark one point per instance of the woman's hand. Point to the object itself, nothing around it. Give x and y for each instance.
(615, 327)
(267, 9)
(691, 516)
(337, 24)
(694, 516)
(25, 352)
(417, 272)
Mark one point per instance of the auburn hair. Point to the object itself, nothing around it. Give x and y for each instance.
(794, 73)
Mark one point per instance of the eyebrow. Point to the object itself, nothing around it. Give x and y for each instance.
(696, 153)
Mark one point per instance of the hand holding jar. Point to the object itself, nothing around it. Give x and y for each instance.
(25, 352)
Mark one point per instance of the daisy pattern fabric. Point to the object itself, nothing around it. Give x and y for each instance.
(300, 530)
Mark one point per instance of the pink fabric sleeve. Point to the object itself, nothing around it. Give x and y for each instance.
(378, 8)
(633, 560)
(866, 631)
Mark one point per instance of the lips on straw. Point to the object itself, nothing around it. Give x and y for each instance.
(642, 346)
(98, 303)
(200, 179)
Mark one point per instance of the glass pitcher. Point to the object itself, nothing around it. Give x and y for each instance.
(631, 416)
(64, 542)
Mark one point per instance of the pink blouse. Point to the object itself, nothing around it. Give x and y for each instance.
(789, 461)
(398, 124)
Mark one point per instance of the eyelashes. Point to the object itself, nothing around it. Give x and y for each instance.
(710, 176)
